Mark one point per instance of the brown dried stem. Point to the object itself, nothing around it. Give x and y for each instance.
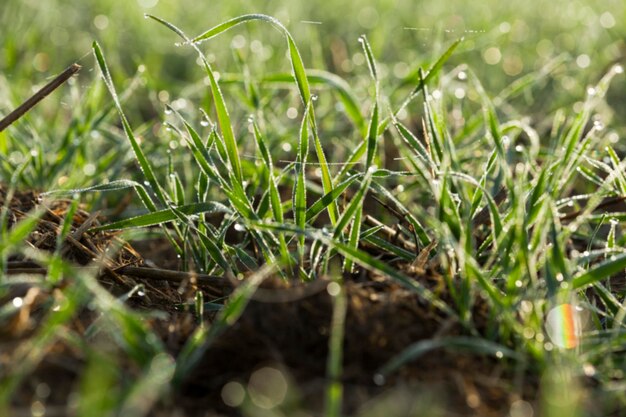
(38, 96)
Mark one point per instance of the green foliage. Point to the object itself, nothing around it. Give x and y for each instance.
(508, 196)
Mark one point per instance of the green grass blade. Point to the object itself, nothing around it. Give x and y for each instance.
(356, 203)
(230, 143)
(109, 186)
(321, 204)
(369, 55)
(141, 157)
(422, 82)
(602, 271)
(299, 187)
(164, 216)
(372, 136)
(337, 84)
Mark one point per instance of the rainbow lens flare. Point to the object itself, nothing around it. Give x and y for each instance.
(564, 326)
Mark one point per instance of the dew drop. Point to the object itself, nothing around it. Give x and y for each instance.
(18, 302)
(598, 125)
(204, 123)
(589, 370)
(168, 111)
(499, 355)
(140, 293)
(618, 69)
(591, 91)
(333, 289)
(361, 40)
(379, 379)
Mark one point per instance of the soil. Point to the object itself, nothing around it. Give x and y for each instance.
(283, 331)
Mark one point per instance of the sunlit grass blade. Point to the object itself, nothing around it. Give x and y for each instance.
(275, 200)
(337, 84)
(230, 143)
(422, 81)
(201, 155)
(164, 216)
(418, 229)
(602, 271)
(353, 213)
(299, 187)
(141, 157)
(361, 149)
(109, 186)
(321, 204)
(369, 57)
(356, 203)
(414, 143)
(388, 247)
(302, 83)
(372, 137)
(327, 182)
(294, 54)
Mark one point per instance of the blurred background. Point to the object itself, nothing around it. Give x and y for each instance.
(562, 46)
(508, 38)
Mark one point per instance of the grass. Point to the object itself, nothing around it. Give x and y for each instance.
(499, 206)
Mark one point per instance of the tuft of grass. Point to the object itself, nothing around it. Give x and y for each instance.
(492, 213)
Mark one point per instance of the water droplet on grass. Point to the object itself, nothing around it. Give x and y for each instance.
(598, 125)
(379, 379)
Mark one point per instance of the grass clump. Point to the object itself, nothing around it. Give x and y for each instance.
(486, 233)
